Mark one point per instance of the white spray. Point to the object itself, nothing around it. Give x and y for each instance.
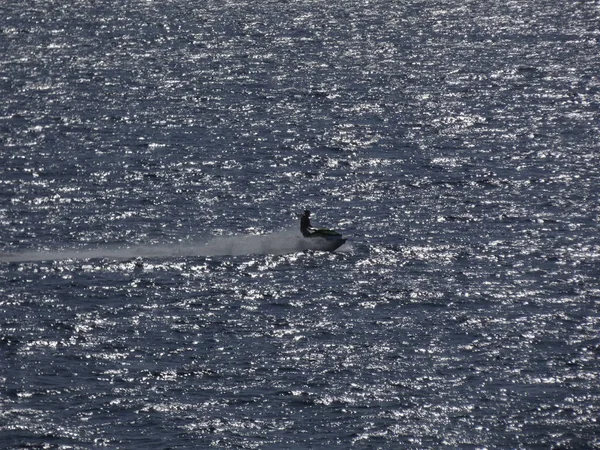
(275, 243)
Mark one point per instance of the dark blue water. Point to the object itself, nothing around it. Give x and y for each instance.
(153, 158)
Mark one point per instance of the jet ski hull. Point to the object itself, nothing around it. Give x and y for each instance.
(324, 240)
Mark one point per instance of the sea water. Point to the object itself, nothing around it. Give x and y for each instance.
(154, 157)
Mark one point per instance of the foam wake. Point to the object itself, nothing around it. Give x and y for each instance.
(275, 243)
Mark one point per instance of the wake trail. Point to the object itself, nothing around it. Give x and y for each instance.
(275, 243)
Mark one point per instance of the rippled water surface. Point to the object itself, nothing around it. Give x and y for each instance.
(153, 158)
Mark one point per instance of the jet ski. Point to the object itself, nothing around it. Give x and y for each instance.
(323, 239)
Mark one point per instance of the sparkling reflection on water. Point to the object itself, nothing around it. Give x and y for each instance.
(154, 156)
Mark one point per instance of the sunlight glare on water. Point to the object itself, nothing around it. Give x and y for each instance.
(156, 292)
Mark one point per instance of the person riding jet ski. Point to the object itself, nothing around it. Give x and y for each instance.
(305, 225)
(321, 238)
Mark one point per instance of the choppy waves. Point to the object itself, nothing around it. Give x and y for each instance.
(153, 152)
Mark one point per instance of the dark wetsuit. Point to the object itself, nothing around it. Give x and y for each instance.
(305, 225)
